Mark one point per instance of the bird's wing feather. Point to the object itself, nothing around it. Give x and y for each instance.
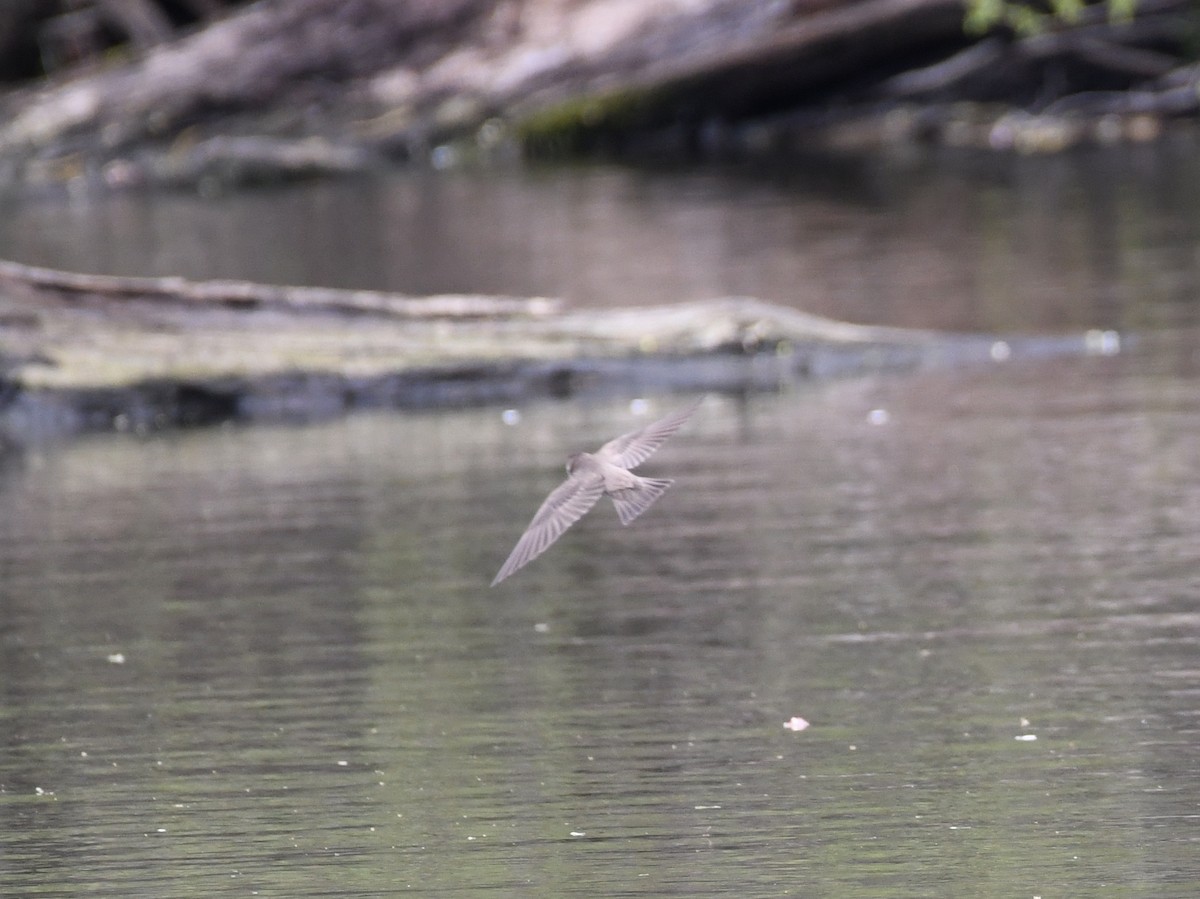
(633, 501)
(632, 449)
(565, 505)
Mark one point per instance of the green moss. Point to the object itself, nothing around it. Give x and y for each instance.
(582, 123)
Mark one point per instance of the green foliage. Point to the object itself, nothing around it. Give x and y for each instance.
(1026, 18)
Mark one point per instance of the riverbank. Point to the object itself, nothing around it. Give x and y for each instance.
(311, 88)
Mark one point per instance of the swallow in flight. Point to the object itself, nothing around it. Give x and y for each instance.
(592, 475)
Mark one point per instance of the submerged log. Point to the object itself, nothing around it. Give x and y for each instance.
(86, 352)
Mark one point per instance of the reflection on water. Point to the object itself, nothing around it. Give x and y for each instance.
(1096, 239)
(267, 660)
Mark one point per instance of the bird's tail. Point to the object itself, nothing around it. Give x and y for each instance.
(633, 501)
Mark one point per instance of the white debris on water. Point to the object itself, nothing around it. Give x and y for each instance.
(1102, 343)
(116, 658)
(878, 417)
(796, 723)
(444, 157)
(510, 417)
(1025, 738)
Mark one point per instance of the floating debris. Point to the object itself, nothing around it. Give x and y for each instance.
(1103, 343)
(796, 723)
(116, 658)
(1025, 738)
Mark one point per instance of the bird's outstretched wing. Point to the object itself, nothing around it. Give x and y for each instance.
(565, 505)
(632, 449)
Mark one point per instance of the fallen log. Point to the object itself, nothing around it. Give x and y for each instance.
(248, 294)
(86, 352)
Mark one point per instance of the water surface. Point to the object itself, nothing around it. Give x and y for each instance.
(1094, 239)
(266, 661)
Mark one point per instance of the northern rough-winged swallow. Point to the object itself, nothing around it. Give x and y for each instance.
(592, 475)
